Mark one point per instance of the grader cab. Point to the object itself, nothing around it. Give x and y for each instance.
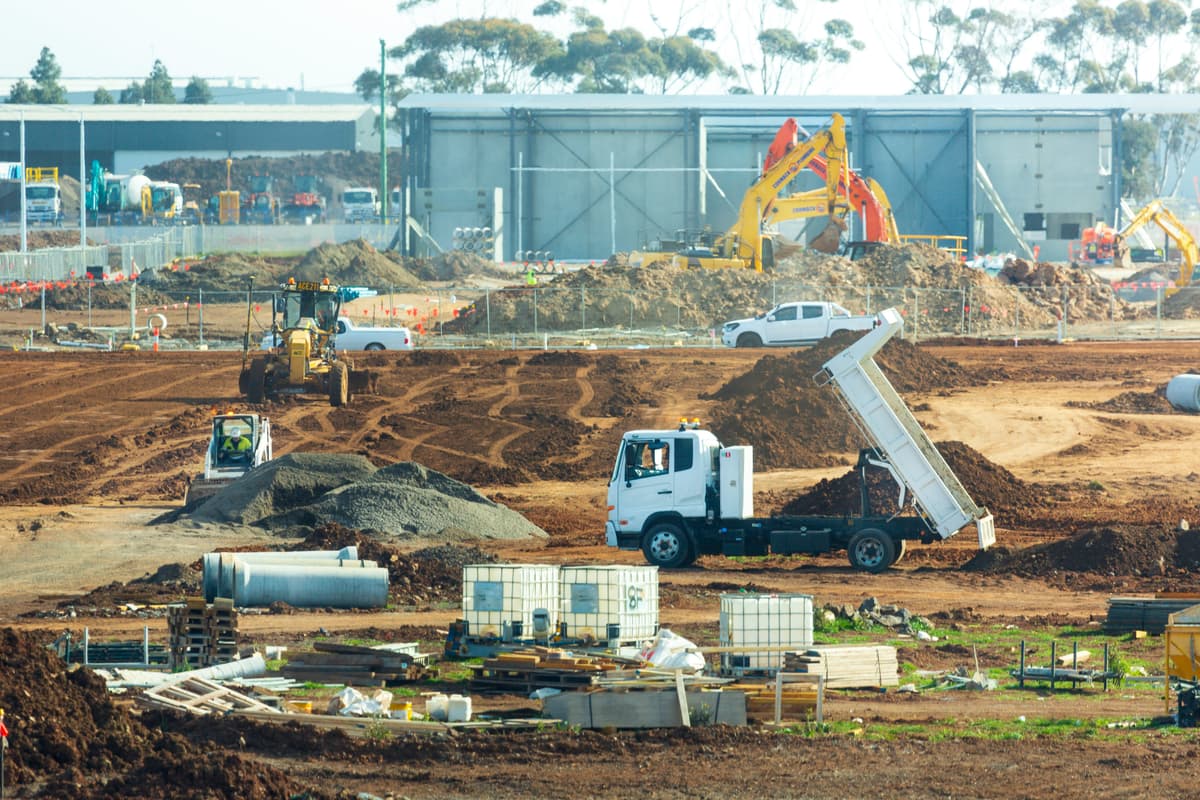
(303, 359)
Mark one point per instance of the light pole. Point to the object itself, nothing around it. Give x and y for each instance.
(384, 195)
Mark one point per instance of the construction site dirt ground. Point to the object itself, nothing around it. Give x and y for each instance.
(93, 445)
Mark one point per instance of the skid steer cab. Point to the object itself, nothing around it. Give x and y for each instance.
(238, 442)
(305, 361)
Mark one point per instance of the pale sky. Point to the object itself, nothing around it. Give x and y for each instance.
(325, 44)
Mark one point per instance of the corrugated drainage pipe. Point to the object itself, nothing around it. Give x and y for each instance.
(1183, 392)
(310, 586)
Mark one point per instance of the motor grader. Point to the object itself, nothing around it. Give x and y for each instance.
(304, 360)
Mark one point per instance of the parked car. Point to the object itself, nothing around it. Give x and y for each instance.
(799, 323)
(349, 336)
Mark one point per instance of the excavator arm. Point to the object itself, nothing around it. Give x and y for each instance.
(744, 239)
(865, 195)
(1157, 212)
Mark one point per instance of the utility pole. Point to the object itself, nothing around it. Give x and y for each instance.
(384, 195)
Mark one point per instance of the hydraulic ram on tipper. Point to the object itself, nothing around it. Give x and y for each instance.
(891, 428)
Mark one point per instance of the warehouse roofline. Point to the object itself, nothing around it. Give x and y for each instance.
(181, 112)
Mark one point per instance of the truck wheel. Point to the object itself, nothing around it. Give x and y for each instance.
(665, 545)
(374, 346)
(749, 340)
(339, 384)
(254, 381)
(871, 550)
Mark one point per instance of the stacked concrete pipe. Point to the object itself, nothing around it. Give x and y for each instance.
(305, 579)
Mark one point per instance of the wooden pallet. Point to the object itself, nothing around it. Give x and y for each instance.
(357, 665)
(200, 696)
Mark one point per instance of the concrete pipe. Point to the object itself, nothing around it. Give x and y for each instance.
(1183, 392)
(310, 585)
(219, 568)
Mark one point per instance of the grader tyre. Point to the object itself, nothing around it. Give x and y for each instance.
(339, 385)
(253, 381)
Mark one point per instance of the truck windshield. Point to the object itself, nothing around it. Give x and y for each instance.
(319, 307)
(41, 192)
(357, 197)
(645, 459)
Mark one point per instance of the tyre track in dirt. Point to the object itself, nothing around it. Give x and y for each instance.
(510, 393)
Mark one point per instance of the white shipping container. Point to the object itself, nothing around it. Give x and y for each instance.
(497, 597)
(607, 603)
(775, 621)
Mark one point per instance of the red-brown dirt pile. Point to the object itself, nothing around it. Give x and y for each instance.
(795, 424)
(1117, 550)
(68, 739)
(1010, 499)
(1152, 402)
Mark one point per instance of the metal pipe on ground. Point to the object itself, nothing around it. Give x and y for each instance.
(1183, 392)
(309, 585)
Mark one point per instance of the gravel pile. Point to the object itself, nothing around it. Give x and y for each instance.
(406, 501)
(411, 502)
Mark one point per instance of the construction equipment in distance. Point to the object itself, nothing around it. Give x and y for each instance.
(1098, 244)
(1157, 212)
(262, 205)
(305, 362)
(744, 244)
(680, 494)
(307, 204)
(223, 464)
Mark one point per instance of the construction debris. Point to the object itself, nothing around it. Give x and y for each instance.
(202, 634)
(526, 670)
(357, 665)
(200, 696)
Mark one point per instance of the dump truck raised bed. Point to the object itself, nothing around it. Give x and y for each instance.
(679, 494)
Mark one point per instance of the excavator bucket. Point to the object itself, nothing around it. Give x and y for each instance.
(828, 240)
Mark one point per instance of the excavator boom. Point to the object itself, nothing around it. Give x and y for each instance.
(1157, 212)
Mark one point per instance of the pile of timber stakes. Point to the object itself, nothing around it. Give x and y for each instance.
(848, 667)
(202, 634)
(526, 670)
(355, 665)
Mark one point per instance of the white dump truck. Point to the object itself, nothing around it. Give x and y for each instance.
(678, 494)
(800, 323)
(360, 204)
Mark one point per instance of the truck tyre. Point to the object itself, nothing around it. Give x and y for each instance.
(871, 550)
(749, 340)
(666, 545)
(254, 381)
(339, 384)
(374, 346)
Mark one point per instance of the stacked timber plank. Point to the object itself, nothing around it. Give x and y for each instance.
(1148, 614)
(357, 665)
(201, 696)
(797, 700)
(202, 634)
(848, 667)
(526, 670)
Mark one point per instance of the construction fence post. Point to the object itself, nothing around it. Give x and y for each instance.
(487, 310)
(535, 319)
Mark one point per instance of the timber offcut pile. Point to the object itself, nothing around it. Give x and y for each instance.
(848, 667)
(527, 670)
(357, 665)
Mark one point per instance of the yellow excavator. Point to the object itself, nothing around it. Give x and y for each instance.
(302, 356)
(744, 245)
(1156, 212)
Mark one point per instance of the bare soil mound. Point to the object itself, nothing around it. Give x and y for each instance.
(453, 265)
(795, 424)
(1008, 497)
(1153, 402)
(431, 574)
(354, 263)
(68, 739)
(1119, 550)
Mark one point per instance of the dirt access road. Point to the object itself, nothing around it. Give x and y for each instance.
(95, 443)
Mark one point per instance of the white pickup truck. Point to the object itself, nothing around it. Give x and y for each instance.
(348, 336)
(804, 322)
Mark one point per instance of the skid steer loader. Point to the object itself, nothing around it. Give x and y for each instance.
(240, 441)
(304, 360)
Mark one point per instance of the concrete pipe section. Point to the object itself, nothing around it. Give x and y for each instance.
(310, 585)
(219, 568)
(1183, 392)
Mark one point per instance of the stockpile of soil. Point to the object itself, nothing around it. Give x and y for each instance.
(795, 424)
(1152, 402)
(989, 484)
(68, 739)
(335, 171)
(427, 575)
(452, 265)
(74, 296)
(354, 263)
(1086, 296)
(221, 272)
(1119, 550)
(405, 500)
(38, 239)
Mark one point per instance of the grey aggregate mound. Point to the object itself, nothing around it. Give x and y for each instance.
(411, 502)
(280, 485)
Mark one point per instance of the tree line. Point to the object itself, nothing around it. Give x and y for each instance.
(158, 87)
